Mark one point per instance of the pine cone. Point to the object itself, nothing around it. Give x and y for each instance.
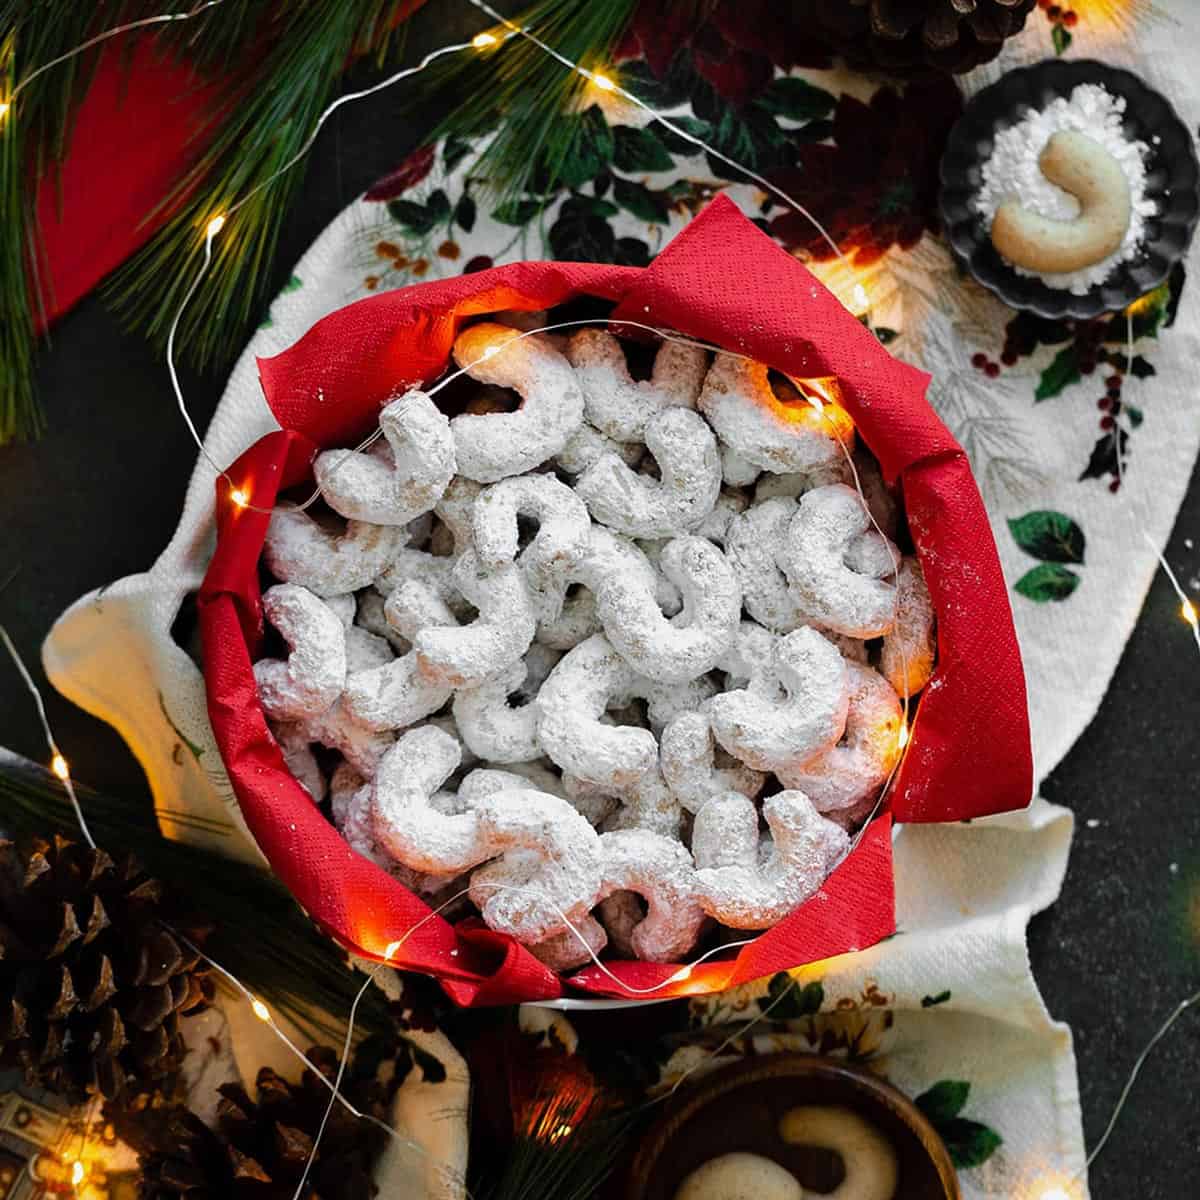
(91, 983)
(261, 1145)
(903, 35)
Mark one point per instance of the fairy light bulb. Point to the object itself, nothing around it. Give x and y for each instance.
(861, 300)
(1187, 610)
(58, 765)
(78, 1172)
(239, 498)
(681, 976)
(1055, 1193)
(261, 1011)
(4, 107)
(481, 41)
(603, 82)
(215, 225)
(903, 736)
(392, 950)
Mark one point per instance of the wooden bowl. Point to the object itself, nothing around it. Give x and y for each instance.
(739, 1109)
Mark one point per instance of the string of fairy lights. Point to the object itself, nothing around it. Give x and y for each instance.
(1049, 1186)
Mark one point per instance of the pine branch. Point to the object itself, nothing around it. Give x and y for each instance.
(261, 935)
(533, 102)
(289, 74)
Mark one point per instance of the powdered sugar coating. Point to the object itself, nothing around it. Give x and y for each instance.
(827, 522)
(587, 445)
(549, 870)
(687, 752)
(507, 621)
(494, 729)
(572, 947)
(753, 894)
(1013, 170)
(772, 732)
(404, 822)
(749, 418)
(313, 675)
(690, 643)
(299, 550)
(910, 648)
(363, 487)
(752, 540)
(685, 450)
(660, 870)
(617, 405)
(492, 447)
(557, 549)
(587, 681)
(299, 758)
(852, 772)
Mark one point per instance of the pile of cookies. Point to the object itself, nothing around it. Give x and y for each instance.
(558, 648)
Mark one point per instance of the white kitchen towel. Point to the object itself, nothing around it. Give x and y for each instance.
(1071, 549)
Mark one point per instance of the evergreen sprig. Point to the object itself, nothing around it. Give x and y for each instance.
(279, 66)
(536, 106)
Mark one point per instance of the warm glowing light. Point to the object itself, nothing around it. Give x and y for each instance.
(681, 976)
(239, 497)
(561, 1132)
(392, 948)
(1055, 1193)
(4, 107)
(603, 82)
(215, 225)
(58, 765)
(902, 738)
(481, 41)
(77, 1173)
(261, 1011)
(861, 300)
(1187, 610)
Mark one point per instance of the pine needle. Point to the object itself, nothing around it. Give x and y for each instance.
(536, 105)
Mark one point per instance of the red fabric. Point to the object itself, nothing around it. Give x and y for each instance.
(969, 753)
(142, 124)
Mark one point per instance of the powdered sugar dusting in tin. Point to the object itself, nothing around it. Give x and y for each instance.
(1013, 171)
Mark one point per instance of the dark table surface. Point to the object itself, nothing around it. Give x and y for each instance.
(100, 495)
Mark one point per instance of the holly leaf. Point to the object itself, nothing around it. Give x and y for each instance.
(1049, 536)
(1047, 581)
(637, 150)
(590, 150)
(1135, 414)
(517, 212)
(454, 151)
(293, 284)
(933, 1001)
(680, 145)
(438, 203)
(814, 131)
(668, 92)
(1061, 37)
(640, 200)
(1141, 367)
(970, 1143)
(1062, 372)
(749, 135)
(580, 234)
(1103, 460)
(416, 218)
(464, 213)
(631, 252)
(797, 99)
(788, 1002)
(944, 1100)
(601, 183)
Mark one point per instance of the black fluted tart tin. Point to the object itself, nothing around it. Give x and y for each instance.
(1172, 181)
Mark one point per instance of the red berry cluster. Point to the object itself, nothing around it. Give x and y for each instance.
(1059, 14)
(1110, 406)
(981, 362)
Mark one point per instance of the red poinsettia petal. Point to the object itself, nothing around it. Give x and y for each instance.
(739, 76)
(660, 30)
(410, 172)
